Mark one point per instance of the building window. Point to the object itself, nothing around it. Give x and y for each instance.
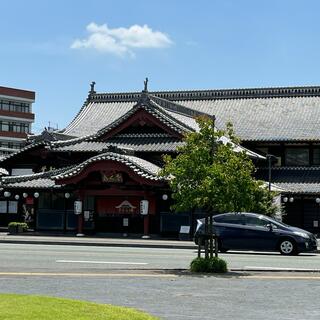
(4, 126)
(316, 156)
(14, 106)
(10, 145)
(14, 127)
(297, 156)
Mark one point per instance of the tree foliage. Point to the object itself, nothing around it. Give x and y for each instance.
(211, 173)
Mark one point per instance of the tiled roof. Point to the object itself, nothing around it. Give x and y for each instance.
(99, 118)
(42, 180)
(32, 184)
(146, 142)
(3, 172)
(300, 188)
(140, 166)
(266, 119)
(291, 174)
(305, 180)
(262, 114)
(169, 119)
(47, 179)
(135, 142)
(95, 116)
(25, 149)
(157, 142)
(47, 135)
(81, 146)
(238, 148)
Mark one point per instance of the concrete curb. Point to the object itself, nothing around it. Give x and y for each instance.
(99, 244)
(129, 243)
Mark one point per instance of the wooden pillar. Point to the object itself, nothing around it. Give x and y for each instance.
(146, 219)
(80, 217)
(146, 224)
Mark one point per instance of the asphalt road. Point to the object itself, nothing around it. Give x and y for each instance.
(122, 276)
(51, 258)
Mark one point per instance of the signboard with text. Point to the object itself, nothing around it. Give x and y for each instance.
(144, 207)
(77, 207)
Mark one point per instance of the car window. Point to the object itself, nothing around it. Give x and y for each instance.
(231, 218)
(255, 221)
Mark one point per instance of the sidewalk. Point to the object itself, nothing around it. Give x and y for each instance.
(111, 241)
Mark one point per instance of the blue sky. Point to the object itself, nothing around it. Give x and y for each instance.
(57, 48)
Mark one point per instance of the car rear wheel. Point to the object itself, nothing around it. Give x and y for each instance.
(287, 247)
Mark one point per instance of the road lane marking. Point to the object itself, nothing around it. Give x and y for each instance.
(251, 268)
(57, 274)
(261, 277)
(102, 262)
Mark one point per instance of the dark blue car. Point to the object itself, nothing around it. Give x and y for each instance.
(250, 231)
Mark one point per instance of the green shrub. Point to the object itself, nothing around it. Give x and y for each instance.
(19, 225)
(217, 265)
(199, 265)
(210, 265)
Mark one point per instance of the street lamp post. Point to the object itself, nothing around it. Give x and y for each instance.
(269, 157)
(269, 171)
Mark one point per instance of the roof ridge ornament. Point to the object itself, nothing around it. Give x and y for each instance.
(145, 82)
(92, 91)
(144, 98)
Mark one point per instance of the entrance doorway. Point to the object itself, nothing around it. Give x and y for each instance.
(118, 214)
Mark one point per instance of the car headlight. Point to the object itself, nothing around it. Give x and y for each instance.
(302, 234)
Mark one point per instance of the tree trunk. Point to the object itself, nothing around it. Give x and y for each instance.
(211, 235)
(206, 243)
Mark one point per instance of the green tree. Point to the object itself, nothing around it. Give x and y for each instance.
(212, 173)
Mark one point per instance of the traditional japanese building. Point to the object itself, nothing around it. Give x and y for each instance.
(110, 155)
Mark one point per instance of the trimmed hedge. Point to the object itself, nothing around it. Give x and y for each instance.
(16, 227)
(23, 225)
(210, 265)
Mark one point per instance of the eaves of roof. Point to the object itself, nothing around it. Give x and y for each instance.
(25, 149)
(291, 174)
(300, 188)
(140, 166)
(41, 180)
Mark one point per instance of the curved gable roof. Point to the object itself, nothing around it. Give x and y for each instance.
(261, 114)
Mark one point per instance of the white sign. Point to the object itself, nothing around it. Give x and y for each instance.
(77, 207)
(144, 207)
(185, 229)
(86, 215)
(125, 222)
(315, 223)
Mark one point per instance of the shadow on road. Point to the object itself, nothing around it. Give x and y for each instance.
(256, 253)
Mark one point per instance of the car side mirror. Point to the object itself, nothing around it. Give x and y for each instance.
(269, 226)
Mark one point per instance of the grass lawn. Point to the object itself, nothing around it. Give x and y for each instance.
(14, 307)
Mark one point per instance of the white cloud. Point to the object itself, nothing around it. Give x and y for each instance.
(121, 41)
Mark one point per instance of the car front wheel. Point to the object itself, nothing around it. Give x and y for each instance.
(287, 247)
